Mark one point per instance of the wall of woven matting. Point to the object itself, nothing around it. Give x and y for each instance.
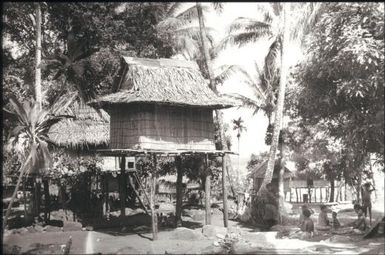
(161, 127)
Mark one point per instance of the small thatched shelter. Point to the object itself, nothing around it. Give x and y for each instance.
(88, 129)
(161, 104)
(258, 174)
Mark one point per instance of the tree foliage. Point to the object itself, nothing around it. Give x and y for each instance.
(341, 82)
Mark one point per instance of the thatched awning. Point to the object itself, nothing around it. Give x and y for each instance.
(163, 81)
(88, 128)
(260, 170)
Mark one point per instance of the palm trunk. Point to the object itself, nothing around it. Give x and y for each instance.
(332, 188)
(280, 104)
(38, 93)
(281, 192)
(22, 170)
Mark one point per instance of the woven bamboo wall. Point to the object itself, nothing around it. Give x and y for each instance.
(161, 127)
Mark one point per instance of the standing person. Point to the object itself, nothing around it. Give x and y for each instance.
(367, 200)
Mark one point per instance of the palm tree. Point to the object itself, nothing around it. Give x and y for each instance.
(31, 131)
(38, 93)
(177, 29)
(238, 125)
(278, 18)
(72, 64)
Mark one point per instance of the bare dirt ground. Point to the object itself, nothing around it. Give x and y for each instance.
(238, 239)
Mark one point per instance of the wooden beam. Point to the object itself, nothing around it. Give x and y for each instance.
(224, 189)
(207, 194)
(154, 218)
(296, 194)
(123, 187)
(179, 191)
(321, 194)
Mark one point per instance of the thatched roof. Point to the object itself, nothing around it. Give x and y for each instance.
(163, 81)
(260, 170)
(87, 128)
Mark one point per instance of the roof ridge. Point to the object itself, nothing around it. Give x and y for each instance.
(161, 62)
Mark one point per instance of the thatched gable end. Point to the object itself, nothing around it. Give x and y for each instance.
(88, 128)
(163, 81)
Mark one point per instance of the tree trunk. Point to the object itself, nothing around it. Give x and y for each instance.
(280, 104)
(224, 189)
(205, 49)
(47, 200)
(154, 218)
(123, 187)
(38, 93)
(281, 192)
(22, 170)
(359, 189)
(179, 192)
(38, 197)
(331, 199)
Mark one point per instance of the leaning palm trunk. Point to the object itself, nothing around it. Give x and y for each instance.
(38, 93)
(22, 170)
(280, 103)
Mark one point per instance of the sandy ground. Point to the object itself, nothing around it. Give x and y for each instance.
(193, 242)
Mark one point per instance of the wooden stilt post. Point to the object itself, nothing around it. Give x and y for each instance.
(224, 189)
(107, 194)
(300, 195)
(290, 195)
(321, 200)
(154, 218)
(123, 187)
(296, 194)
(315, 195)
(179, 191)
(47, 200)
(207, 193)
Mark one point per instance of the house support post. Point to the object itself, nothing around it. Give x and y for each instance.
(154, 218)
(207, 193)
(224, 189)
(47, 200)
(290, 194)
(296, 194)
(179, 192)
(123, 186)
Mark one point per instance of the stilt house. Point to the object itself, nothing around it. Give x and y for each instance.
(161, 104)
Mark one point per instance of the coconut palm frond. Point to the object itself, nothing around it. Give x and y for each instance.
(174, 8)
(191, 13)
(242, 39)
(168, 25)
(308, 15)
(194, 33)
(226, 71)
(246, 101)
(257, 89)
(248, 25)
(277, 8)
(217, 6)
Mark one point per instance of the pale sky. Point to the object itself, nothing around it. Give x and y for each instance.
(253, 140)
